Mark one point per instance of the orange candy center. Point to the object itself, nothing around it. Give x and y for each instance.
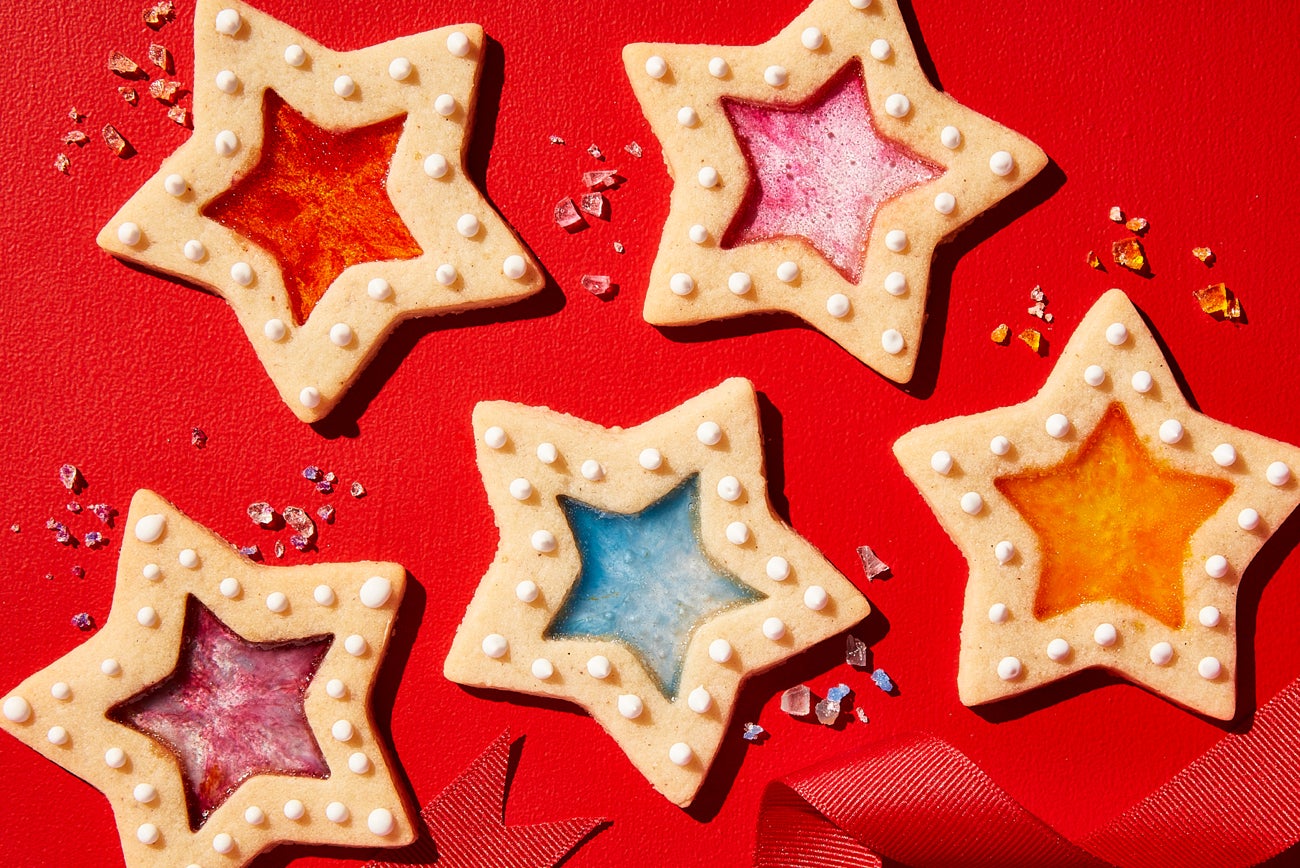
(1114, 522)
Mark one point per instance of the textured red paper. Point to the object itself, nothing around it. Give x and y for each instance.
(1181, 111)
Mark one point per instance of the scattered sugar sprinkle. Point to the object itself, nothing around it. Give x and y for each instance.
(128, 94)
(198, 438)
(634, 149)
(1116, 214)
(871, 564)
(103, 512)
(882, 680)
(1137, 225)
(253, 553)
(120, 64)
(753, 732)
(62, 163)
(595, 151)
(356, 489)
(279, 549)
(94, 539)
(75, 137)
(116, 142)
(159, 14)
(326, 514)
(862, 714)
(261, 513)
(1001, 335)
(74, 507)
(556, 140)
(1204, 254)
(71, 477)
(160, 57)
(618, 247)
(78, 572)
(83, 621)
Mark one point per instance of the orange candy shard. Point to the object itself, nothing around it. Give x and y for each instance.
(1001, 334)
(1114, 522)
(1093, 261)
(1129, 253)
(1218, 301)
(1032, 338)
(317, 201)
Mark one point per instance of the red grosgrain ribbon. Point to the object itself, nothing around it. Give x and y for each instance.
(919, 801)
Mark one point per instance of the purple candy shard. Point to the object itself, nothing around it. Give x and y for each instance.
(566, 213)
(311, 473)
(198, 438)
(326, 514)
(600, 179)
(78, 572)
(593, 204)
(261, 513)
(855, 651)
(299, 542)
(882, 680)
(83, 621)
(828, 711)
(300, 521)
(95, 538)
(797, 700)
(103, 512)
(250, 552)
(61, 534)
(325, 486)
(74, 507)
(752, 732)
(598, 285)
(633, 148)
(69, 475)
(231, 709)
(871, 565)
(357, 490)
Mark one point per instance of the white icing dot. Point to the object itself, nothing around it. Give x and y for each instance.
(699, 700)
(355, 645)
(358, 763)
(897, 105)
(599, 667)
(1009, 668)
(707, 176)
(680, 754)
(128, 234)
(344, 86)
(1142, 382)
(1278, 473)
(275, 330)
(1004, 551)
(458, 43)
(400, 69)
(467, 225)
(495, 645)
(147, 833)
(309, 397)
(776, 75)
(223, 843)
(1058, 649)
(57, 735)
(815, 597)
(1171, 431)
(514, 266)
(778, 568)
(591, 470)
(340, 334)
(737, 533)
(860, 4)
(526, 591)
(323, 595)
(152, 572)
(950, 137)
(494, 437)
(1161, 653)
(114, 757)
(1116, 334)
(227, 82)
(175, 185)
(650, 459)
(17, 709)
(1224, 455)
(718, 68)
(895, 283)
(375, 592)
(787, 272)
(945, 203)
(294, 809)
(446, 274)
(880, 49)
(941, 462)
(277, 602)
(699, 235)
(709, 433)
(998, 613)
(774, 628)
(630, 706)
(335, 689)
(999, 445)
(1057, 425)
(656, 67)
(896, 240)
(226, 143)
(1248, 519)
(229, 22)
(229, 588)
(342, 730)
(1216, 566)
(294, 55)
(521, 489)
(972, 503)
(61, 691)
(1094, 375)
(110, 667)
(147, 616)
(149, 528)
(739, 283)
(1001, 163)
(1209, 668)
(254, 816)
(337, 812)
(542, 669)
(547, 453)
(687, 116)
(144, 793)
(189, 559)
(838, 305)
(891, 340)
(1105, 635)
(811, 38)
(1209, 616)
(436, 166)
(381, 822)
(194, 250)
(241, 273)
(720, 650)
(681, 284)
(543, 541)
(729, 489)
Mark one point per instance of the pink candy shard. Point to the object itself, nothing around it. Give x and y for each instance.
(820, 171)
(593, 204)
(298, 519)
(70, 476)
(855, 651)
(797, 700)
(597, 284)
(566, 214)
(600, 179)
(871, 565)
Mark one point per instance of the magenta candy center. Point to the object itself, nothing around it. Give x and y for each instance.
(230, 710)
(820, 171)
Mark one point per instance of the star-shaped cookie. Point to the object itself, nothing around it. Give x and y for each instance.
(815, 174)
(323, 195)
(1106, 522)
(642, 574)
(224, 706)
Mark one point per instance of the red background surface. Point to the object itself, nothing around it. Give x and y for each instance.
(1182, 111)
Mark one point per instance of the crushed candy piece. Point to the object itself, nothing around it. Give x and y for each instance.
(1001, 334)
(49, 577)
(160, 57)
(633, 148)
(123, 65)
(128, 94)
(62, 163)
(1137, 225)
(838, 693)
(75, 137)
(164, 91)
(71, 477)
(593, 204)
(618, 247)
(1116, 214)
(881, 679)
(300, 542)
(74, 115)
(198, 438)
(103, 512)
(331, 477)
(61, 533)
(180, 114)
(1033, 339)
(326, 514)
(566, 214)
(828, 711)
(1036, 310)
(74, 508)
(1037, 294)
(1218, 301)
(261, 513)
(796, 700)
(312, 473)
(325, 486)
(356, 489)
(1093, 261)
(251, 552)
(299, 520)
(83, 621)
(753, 732)
(1204, 254)
(862, 714)
(871, 565)
(94, 538)
(78, 572)
(855, 651)
(1129, 253)
(556, 140)
(279, 549)
(600, 179)
(115, 141)
(159, 14)
(15, 528)
(595, 152)
(1049, 317)
(598, 285)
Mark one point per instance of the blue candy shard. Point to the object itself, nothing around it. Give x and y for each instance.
(752, 732)
(882, 681)
(646, 581)
(839, 691)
